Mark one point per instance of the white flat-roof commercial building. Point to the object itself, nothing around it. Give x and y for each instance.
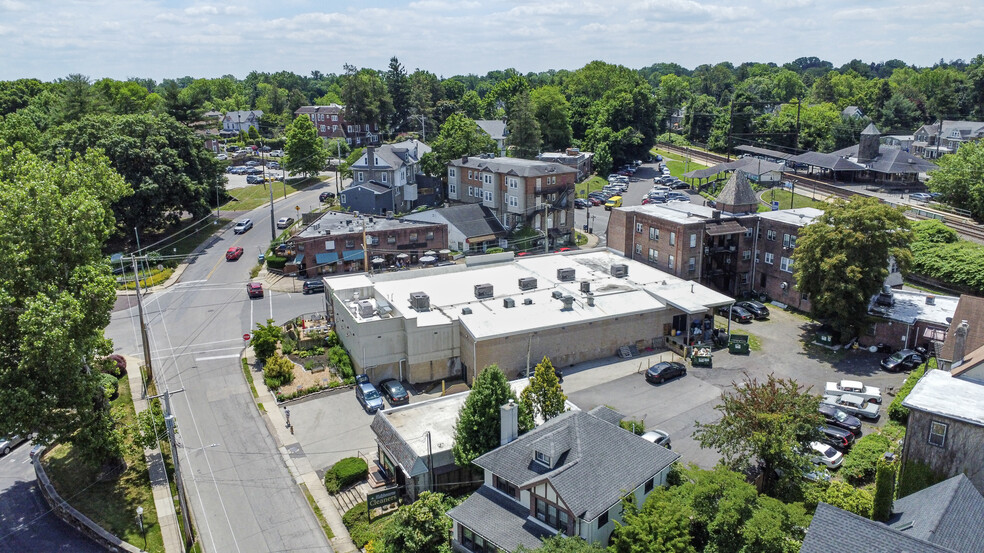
(453, 321)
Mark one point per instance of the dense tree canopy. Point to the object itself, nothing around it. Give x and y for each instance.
(305, 152)
(477, 430)
(842, 258)
(960, 178)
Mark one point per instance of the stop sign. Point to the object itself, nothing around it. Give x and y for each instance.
(246, 336)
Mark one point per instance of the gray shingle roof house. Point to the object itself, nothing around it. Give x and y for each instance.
(737, 195)
(471, 227)
(944, 518)
(569, 474)
(235, 121)
(930, 142)
(394, 166)
(496, 128)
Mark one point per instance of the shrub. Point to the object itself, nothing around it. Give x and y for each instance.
(288, 345)
(278, 371)
(331, 340)
(356, 520)
(884, 492)
(494, 250)
(898, 412)
(861, 463)
(276, 262)
(345, 473)
(636, 427)
(113, 364)
(849, 498)
(338, 358)
(110, 385)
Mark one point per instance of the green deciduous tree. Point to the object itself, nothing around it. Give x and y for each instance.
(543, 397)
(304, 151)
(524, 129)
(553, 113)
(960, 178)
(422, 526)
(56, 295)
(459, 136)
(366, 98)
(476, 431)
(564, 544)
(265, 339)
(661, 526)
(771, 422)
(841, 259)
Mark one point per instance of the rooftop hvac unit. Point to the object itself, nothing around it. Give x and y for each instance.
(527, 301)
(585, 287)
(620, 270)
(483, 291)
(419, 301)
(527, 283)
(508, 302)
(557, 294)
(568, 303)
(466, 311)
(565, 274)
(366, 309)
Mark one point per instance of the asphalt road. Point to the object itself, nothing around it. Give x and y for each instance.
(26, 524)
(240, 492)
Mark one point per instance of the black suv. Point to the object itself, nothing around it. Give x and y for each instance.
(313, 286)
(902, 360)
(325, 195)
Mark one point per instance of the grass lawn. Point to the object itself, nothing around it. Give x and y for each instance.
(754, 343)
(111, 504)
(317, 512)
(677, 163)
(590, 185)
(252, 197)
(799, 200)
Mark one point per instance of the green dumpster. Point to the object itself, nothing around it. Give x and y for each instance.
(701, 357)
(738, 344)
(825, 338)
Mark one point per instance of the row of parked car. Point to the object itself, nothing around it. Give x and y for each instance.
(745, 311)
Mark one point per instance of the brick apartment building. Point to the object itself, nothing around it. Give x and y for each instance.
(729, 247)
(520, 192)
(333, 243)
(330, 123)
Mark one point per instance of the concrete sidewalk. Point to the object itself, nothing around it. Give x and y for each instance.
(299, 466)
(167, 517)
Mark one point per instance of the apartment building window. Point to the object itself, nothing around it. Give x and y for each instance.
(334, 128)
(471, 190)
(757, 256)
(453, 190)
(786, 264)
(692, 264)
(322, 128)
(350, 243)
(469, 174)
(653, 255)
(937, 433)
(769, 258)
(391, 240)
(513, 183)
(321, 117)
(748, 232)
(638, 249)
(430, 235)
(334, 118)
(373, 240)
(746, 255)
(488, 179)
(563, 218)
(413, 236)
(639, 227)
(693, 240)
(744, 278)
(653, 233)
(669, 262)
(349, 128)
(673, 239)
(488, 196)
(771, 235)
(451, 172)
(362, 176)
(383, 177)
(789, 240)
(513, 201)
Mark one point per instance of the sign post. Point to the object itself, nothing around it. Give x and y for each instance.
(246, 337)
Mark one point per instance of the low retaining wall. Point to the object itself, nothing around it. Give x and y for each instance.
(74, 518)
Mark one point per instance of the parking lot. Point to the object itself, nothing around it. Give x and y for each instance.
(335, 426)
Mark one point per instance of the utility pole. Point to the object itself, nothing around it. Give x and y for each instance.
(546, 229)
(169, 422)
(731, 124)
(273, 220)
(338, 163)
(143, 328)
(939, 138)
(365, 249)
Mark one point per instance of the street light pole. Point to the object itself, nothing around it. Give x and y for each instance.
(338, 163)
(140, 521)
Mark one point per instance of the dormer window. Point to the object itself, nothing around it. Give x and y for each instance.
(542, 458)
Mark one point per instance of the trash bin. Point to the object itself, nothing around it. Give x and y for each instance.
(260, 258)
(701, 357)
(825, 338)
(738, 344)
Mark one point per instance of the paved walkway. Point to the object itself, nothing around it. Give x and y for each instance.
(298, 464)
(167, 517)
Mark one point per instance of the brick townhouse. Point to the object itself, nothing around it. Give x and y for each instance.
(330, 123)
(520, 192)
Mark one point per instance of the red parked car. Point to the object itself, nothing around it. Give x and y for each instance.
(234, 253)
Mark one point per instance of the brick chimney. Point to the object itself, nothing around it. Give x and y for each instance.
(370, 156)
(960, 342)
(508, 423)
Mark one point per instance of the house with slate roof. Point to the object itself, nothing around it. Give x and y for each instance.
(471, 227)
(236, 121)
(330, 122)
(946, 427)
(944, 518)
(885, 164)
(933, 141)
(567, 476)
(495, 128)
(392, 166)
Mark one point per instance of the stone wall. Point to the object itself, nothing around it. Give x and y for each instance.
(75, 519)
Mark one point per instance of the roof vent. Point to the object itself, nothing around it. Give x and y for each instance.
(527, 283)
(483, 291)
(366, 309)
(568, 303)
(508, 302)
(620, 270)
(557, 294)
(590, 299)
(886, 297)
(527, 301)
(585, 287)
(930, 300)
(565, 274)
(466, 311)
(419, 301)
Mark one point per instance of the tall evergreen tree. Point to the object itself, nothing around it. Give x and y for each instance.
(524, 130)
(398, 86)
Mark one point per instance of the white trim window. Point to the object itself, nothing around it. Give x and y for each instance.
(639, 227)
(653, 255)
(471, 191)
(769, 258)
(670, 262)
(770, 235)
(653, 233)
(362, 176)
(488, 196)
(452, 189)
(693, 240)
(673, 239)
(451, 172)
(383, 177)
(786, 264)
(513, 200)
(692, 264)
(746, 255)
(513, 182)
(937, 433)
(638, 249)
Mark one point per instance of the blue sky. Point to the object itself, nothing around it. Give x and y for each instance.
(48, 39)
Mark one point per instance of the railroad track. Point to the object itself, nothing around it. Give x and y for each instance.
(966, 228)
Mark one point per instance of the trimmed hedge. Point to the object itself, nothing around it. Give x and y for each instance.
(276, 262)
(896, 411)
(861, 464)
(345, 473)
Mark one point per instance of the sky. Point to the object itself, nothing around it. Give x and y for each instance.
(158, 39)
